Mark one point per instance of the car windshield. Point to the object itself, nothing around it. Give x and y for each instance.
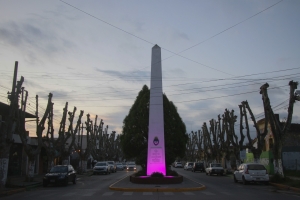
(216, 165)
(199, 164)
(256, 167)
(190, 164)
(119, 164)
(59, 169)
(101, 164)
(131, 163)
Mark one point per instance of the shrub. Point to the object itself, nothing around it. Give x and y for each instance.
(157, 174)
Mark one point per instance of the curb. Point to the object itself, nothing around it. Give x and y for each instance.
(10, 192)
(285, 187)
(18, 190)
(111, 187)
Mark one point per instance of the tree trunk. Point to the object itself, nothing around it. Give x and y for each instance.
(50, 163)
(278, 169)
(3, 169)
(83, 165)
(30, 170)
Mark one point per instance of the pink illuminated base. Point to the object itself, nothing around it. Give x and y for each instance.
(161, 168)
(150, 176)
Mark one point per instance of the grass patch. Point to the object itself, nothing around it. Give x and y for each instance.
(285, 181)
(292, 173)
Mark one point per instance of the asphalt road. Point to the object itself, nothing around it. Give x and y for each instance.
(97, 187)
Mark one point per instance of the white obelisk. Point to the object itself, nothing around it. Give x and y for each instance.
(156, 139)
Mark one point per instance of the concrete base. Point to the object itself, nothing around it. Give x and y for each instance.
(156, 180)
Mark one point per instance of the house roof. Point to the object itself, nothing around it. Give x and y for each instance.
(4, 111)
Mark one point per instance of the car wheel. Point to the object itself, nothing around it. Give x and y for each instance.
(74, 181)
(66, 182)
(206, 173)
(235, 180)
(210, 173)
(244, 181)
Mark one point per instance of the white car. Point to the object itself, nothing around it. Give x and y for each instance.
(120, 166)
(113, 166)
(178, 164)
(214, 168)
(101, 168)
(251, 172)
(131, 166)
(188, 166)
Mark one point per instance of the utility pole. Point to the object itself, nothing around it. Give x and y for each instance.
(13, 89)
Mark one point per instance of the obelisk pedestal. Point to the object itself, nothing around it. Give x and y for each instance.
(156, 140)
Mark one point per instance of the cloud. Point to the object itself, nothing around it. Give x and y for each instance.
(137, 75)
(34, 39)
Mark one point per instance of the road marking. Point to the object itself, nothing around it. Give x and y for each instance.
(188, 193)
(168, 193)
(227, 193)
(147, 193)
(88, 194)
(127, 193)
(107, 194)
(69, 194)
(208, 193)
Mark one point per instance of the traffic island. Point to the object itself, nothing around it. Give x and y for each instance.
(156, 180)
(186, 185)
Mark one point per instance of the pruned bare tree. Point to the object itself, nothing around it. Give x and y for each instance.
(260, 136)
(190, 153)
(278, 129)
(8, 128)
(30, 151)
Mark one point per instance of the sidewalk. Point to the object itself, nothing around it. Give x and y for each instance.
(16, 184)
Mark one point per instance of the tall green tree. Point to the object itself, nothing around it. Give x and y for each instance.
(134, 137)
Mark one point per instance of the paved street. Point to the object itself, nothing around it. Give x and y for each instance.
(97, 186)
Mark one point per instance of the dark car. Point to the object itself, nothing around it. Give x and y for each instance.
(198, 166)
(60, 174)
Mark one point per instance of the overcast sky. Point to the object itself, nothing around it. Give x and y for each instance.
(96, 55)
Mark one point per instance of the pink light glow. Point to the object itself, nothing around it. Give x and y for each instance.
(153, 177)
(156, 168)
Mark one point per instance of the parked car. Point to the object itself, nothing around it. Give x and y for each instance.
(214, 168)
(251, 172)
(177, 164)
(198, 166)
(188, 166)
(101, 168)
(120, 166)
(131, 166)
(124, 165)
(62, 174)
(113, 166)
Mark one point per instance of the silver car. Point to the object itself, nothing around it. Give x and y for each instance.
(113, 166)
(120, 166)
(251, 172)
(101, 168)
